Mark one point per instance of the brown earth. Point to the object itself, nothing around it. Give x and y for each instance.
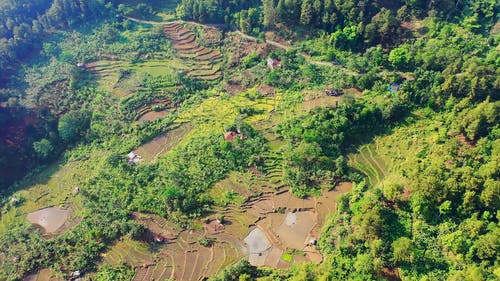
(163, 144)
(42, 275)
(183, 258)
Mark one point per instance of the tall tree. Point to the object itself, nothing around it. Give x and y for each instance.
(281, 10)
(306, 12)
(269, 13)
(317, 8)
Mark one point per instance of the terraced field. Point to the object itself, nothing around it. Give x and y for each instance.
(369, 162)
(133, 253)
(203, 62)
(108, 77)
(183, 258)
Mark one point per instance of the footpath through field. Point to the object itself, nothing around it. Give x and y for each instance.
(307, 57)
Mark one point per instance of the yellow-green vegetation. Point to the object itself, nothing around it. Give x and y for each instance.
(218, 111)
(388, 156)
(129, 251)
(288, 257)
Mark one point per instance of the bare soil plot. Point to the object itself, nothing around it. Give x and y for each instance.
(321, 102)
(153, 115)
(391, 274)
(211, 35)
(42, 275)
(355, 92)
(314, 99)
(163, 144)
(157, 225)
(258, 246)
(49, 219)
(295, 229)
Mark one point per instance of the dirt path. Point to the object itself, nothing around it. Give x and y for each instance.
(166, 22)
(145, 21)
(307, 57)
(270, 42)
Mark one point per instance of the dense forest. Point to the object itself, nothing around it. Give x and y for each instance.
(418, 139)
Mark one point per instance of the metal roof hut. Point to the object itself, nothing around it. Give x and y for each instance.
(133, 158)
(393, 87)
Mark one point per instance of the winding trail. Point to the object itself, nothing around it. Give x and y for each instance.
(146, 21)
(307, 57)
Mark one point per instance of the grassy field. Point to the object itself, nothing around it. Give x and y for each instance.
(107, 74)
(54, 186)
(387, 157)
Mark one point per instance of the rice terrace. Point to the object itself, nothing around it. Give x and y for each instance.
(237, 140)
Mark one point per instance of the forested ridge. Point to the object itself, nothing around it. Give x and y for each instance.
(400, 98)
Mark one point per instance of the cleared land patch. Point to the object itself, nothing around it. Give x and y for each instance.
(320, 99)
(163, 144)
(42, 275)
(49, 219)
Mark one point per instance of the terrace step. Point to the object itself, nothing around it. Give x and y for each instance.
(191, 52)
(183, 37)
(140, 273)
(185, 47)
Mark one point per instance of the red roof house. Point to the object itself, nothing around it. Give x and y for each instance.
(158, 238)
(230, 136)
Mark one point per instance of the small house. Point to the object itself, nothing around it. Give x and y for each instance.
(231, 136)
(393, 87)
(273, 63)
(133, 158)
(313, 242)
(159, 239)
